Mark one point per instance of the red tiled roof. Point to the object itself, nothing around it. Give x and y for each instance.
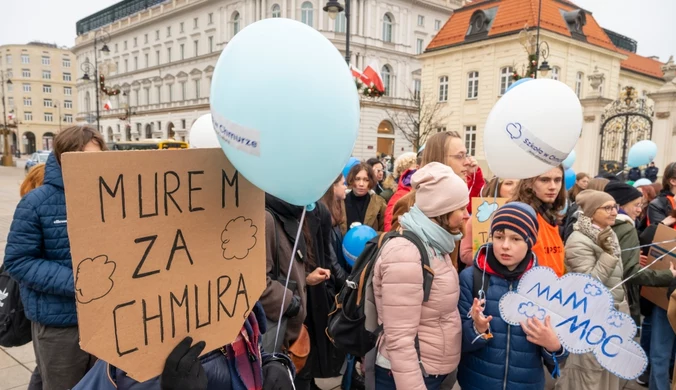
(513, 16)
(643, 65)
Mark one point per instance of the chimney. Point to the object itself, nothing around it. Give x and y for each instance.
(656, 58)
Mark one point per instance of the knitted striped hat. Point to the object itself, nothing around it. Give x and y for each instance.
(519, 218)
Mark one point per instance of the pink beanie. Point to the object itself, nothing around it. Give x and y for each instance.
(439, 190)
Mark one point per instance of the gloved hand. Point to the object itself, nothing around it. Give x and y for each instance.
(183, 369)
(294, 307)
(277, 374)
(605, 240)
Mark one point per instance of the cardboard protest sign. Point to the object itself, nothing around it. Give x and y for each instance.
(583, 316)
(482, 212)
(164, 244)
(658, 295)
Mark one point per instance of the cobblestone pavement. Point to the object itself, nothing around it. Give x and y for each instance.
(16, 364)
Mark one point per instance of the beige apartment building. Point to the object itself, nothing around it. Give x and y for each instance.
(40, 91)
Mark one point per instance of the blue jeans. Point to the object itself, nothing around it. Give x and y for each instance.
(385, 380)
(661, 349)
(646, 334)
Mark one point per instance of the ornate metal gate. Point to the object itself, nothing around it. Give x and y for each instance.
(625, 122)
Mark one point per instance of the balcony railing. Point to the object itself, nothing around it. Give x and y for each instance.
(115, 12)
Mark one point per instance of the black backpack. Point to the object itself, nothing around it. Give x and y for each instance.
(347, 321)
(15, 328)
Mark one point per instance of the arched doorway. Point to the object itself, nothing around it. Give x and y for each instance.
(149, 131)
(28, 142)
(48, 141)
(171, 134)
(385, 138)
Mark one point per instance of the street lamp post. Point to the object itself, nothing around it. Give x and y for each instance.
(542, 50)
(333, 8)
(99, 37)
(6, 155)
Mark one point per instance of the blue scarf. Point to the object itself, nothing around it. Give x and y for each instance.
(429, 232)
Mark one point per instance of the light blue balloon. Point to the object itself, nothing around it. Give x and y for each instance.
(642, 182)
(570, 178)
(285, 108)
(569, 161)
(355, 240)
(518, 82)
(642, 153)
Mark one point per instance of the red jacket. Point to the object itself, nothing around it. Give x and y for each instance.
(403, 189)
(475, 182)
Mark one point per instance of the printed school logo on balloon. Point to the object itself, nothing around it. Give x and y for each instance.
(583, 316)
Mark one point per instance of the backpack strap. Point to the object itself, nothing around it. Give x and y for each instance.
(480, 282)
(428, 273)
(275, 267)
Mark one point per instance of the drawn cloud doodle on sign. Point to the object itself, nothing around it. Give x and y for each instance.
(94, 278)
(238, 238)
(583, 316)
(485, 211)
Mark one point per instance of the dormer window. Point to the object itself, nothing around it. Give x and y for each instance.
(480, 24)
(575, 20)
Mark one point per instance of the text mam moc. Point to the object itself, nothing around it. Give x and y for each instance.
(164, 244)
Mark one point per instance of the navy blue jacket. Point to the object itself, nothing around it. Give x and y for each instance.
(508, 360)
(38, 252)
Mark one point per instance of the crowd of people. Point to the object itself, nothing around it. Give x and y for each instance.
(431, 339)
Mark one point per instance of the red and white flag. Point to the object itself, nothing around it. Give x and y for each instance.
(373, 75)
(107, 105)
(10, 116)
(356, 73)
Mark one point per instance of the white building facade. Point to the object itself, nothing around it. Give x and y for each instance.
(162, 59)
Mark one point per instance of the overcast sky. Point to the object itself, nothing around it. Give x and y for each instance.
(650, 22)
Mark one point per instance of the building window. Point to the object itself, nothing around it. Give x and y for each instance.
(147, 58)
(416, 89)
(168, 54)
(136, 97)
(27, 116)
(124, 44)
(470, 140)
(419, 46)
(147, 94)
(126, 65)
(66, 63)
(145, 38)
(197, 46)
(601, 87)
(8, 59)
(578, 84)
(157, 57)
(68, 104)
(10, 75)
(68, 91)
(556, 73)
(46, 89)
(68, 118)
(181, 50)
(387, 28)
(135, 42)
(181, 27)
(472, 85)
(443, 88)
(170, 90)
(341, 23)
(46, 60)
(135, 63)
(276, 11)
(157, 35)
(197, 89)
(386, 73)
(116, 48)
(117, 67)
(441, 129)
(26, 87)
(421, 21)
(10, 88)
(168, 31)
(46, 74)
(49, 117)
(27, 101)
(25, 73)
(25, 59)
(158, 89)
(195, 23)
(183, 94)
(10, 101)
(210, 18)
(210, 40)
(506, 79)
(48, 103)
(307, 13)
(437, 25)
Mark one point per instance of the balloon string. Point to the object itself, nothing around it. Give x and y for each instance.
(643, 269)
(288, 275)
(647, 245)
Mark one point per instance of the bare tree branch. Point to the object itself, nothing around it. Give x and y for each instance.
(418, 123)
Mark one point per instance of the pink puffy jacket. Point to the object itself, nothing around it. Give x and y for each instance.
(398, 290)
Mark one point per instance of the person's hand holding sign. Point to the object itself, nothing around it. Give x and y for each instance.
(481, 322)
(541, 334)
(183, 369)
(317, 276)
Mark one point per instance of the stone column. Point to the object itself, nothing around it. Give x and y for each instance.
(588, 147)
(664, 121)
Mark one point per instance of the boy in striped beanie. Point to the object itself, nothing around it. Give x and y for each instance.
(487, 338)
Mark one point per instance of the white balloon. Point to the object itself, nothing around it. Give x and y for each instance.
(532, 129)
(202, 134)
(642, 182)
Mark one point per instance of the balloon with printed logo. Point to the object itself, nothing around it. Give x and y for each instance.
(569, 161)
(202, 134)
(518, 82)
(355, 240)
(285, 108)
(569, 178)
(642, 153)
(532, 129)
(350, 163)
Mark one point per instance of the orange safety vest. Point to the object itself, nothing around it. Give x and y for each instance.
(549, 247)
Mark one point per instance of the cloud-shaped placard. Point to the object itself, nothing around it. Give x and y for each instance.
(485, 211)
(94, 278)
(583, 316)
(238, 238)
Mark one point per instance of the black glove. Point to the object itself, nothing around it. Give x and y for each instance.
(294, 307)
(183, 369)
(276, 373)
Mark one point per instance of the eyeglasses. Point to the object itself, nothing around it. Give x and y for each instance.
(460, 156)
(609, 209)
